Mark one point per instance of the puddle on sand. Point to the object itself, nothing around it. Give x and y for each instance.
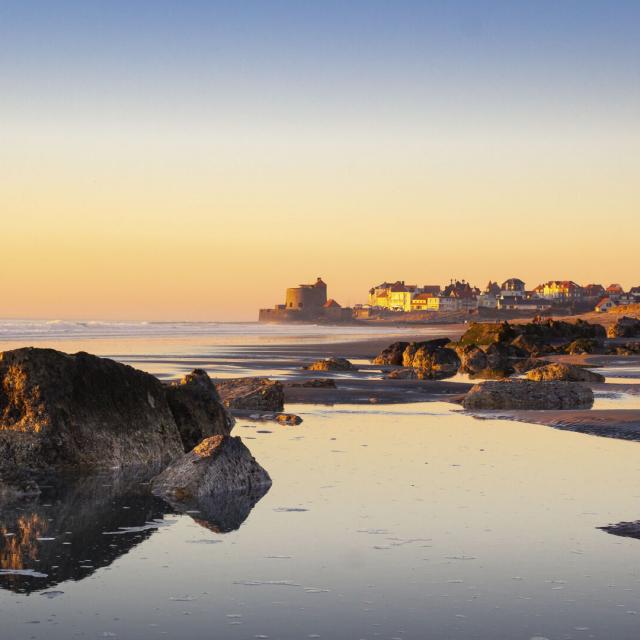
(442, 526)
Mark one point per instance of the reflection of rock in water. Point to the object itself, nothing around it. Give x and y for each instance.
(61, 533)
(224, 512)
(78, 526)
(626, 529)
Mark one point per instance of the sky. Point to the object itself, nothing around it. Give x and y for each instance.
(190, 159)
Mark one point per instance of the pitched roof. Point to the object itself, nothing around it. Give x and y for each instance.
(331, 304)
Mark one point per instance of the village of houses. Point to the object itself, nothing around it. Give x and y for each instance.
(398, 301)
(512, 295)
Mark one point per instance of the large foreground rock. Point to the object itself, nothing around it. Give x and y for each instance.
(79, 411)
(624, 327)
(569, 372)
(218, 465)
(198, 409)
(527, 394)
(257, 393)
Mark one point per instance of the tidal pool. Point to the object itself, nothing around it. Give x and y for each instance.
(411, 521)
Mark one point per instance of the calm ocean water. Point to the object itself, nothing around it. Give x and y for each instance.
(14, 330)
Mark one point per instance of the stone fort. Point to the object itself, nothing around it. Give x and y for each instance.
(306, 303)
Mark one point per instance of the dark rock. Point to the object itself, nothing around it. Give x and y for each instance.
(583, 345)
(330, 364)
(472, 358)
(491, 374)
(327, 383)
(392, 354)
(530, 338)
(261, 394)
(218, 465)
(624, 529)
(624, 327)
(435, 362)
(526, 394)
(405, 373)
(426, 347)
(486, 333)
(288, 419)
(567, 372)
(526, 345)
(522, 365)
(69, 411)
(198, 409)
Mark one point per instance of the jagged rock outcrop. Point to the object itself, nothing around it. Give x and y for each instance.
(62, 411)
(257, 393)
(392, 355)
(628, 349)
(435, 361)
(218, 465)
(527, 394)
(530, 338)
(472, 358)
(583, 345)
(569, 372)
(624, 327)
(427, 346)
(330, 364)
(198, 409)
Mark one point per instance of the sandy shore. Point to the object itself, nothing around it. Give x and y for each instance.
(623, 424)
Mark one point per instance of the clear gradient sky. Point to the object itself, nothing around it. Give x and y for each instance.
(187, 159)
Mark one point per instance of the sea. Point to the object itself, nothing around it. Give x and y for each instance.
(397, 522)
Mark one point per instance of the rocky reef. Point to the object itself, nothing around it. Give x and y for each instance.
(624, 327)
(527, 394)
(571, 373)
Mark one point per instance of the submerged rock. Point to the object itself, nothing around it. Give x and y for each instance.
(257, 393)
(392, 355)
(62, 411)
(624, 327)
(219, 464)
(198, 409)
(527, 394)
(405, 373)
(330, 364)
(554, 371)
(326, 383)
(624, 529)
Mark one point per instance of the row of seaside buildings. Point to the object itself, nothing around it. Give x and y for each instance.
(309, 302)
(511, 295)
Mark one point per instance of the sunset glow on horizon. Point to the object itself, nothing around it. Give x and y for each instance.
(190, 160)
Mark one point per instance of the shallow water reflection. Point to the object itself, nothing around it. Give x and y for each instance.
(406, 521)
(76, 527)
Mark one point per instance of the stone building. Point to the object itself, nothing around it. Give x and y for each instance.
(307, 303)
